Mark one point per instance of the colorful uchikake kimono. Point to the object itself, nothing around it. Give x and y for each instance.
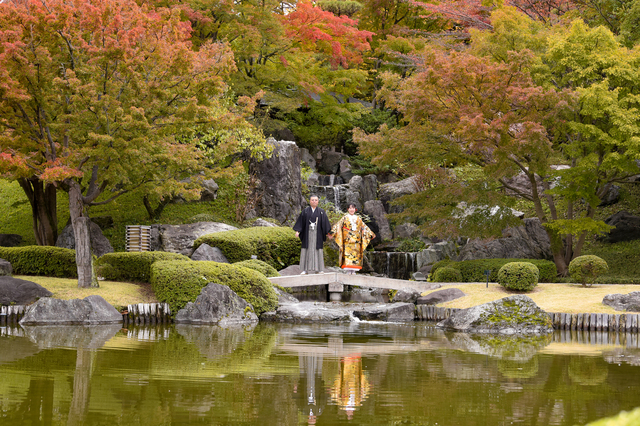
(352, 237)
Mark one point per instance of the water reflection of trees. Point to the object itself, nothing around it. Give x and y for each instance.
(266, 375)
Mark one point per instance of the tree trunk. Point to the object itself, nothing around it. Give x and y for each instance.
(558, 250)
(84, 258)
(44, 212)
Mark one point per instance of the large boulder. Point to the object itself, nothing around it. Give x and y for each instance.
(180, 238)
(330, 162)
(10, 240)
(99, 243)
(307, 158)
(217, 304)
(406, 295)
(14, 291)
(375, 210)
(509, 315)
(528, 241)
(440, 296)
(90, 310)
(627, 227)
(346, 172)
(279, 193)
(206, 252)
(623, 302)
(369, 188)
(387, 312)
(393, 190)
(5, 268)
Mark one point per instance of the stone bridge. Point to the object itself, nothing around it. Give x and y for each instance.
(336, 281)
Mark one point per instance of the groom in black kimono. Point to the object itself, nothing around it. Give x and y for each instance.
(312, 227)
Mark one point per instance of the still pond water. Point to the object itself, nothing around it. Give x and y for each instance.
(356, 374)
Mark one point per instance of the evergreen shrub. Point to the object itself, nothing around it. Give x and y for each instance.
(473, 270)
(438, 265)
(258, 265)
(521, 276)
(177, 282)
(585, 269)
(278, 246)
(447, 275)
(41, 260)
(132, 266)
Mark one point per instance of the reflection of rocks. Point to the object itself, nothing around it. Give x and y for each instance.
(212, 341)
(71, 336)
(16, 349)
(627, 355)
(90, 310)
(217, 304)
(509, 315)
(623, 302)
(514, 348)
(339, 312)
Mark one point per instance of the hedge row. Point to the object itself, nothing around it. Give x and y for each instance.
(41, 260)
(473, 270)
(178, 282)
(277, 246)
(132, 266)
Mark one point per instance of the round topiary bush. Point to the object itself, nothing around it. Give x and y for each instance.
(521, 276)
(447, 275)
(585, 269)
(260, 266)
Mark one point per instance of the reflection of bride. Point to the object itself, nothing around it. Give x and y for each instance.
(351, 387)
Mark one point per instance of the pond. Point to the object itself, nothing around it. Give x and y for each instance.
(358, 374)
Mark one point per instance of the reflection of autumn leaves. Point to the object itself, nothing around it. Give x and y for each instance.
(351, 386)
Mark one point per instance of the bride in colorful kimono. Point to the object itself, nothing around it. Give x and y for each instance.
(352, 237)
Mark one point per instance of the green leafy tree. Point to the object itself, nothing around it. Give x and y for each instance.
(100, 97)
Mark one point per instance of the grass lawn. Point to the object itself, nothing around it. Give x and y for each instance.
(118, 294)
(567, 298)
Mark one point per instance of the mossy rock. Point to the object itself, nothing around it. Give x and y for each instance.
(625, 418)
(447, 275)
(520, 276)
(178, 282)
(277, 246)
(258, 265)
(132, 266)
(41, 260)
(585, 269)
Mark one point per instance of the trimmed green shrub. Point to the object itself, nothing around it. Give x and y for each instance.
(585, 269)
(278, 246)
(625, 418)
(132, 266)
(521, 276)
(177, 282)
(473, 270)
(41, 260)
(258, 265)
(440, 264)
(447, 275)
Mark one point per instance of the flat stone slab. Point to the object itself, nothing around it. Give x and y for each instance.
(328, 312)
(509, 315)
(440, 296)
(91, 310)
(14, 291)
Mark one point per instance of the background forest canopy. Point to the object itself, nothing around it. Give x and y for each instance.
(465, 94)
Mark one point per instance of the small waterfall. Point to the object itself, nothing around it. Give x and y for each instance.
(332, 179)
(336, 196)
(388, 269)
